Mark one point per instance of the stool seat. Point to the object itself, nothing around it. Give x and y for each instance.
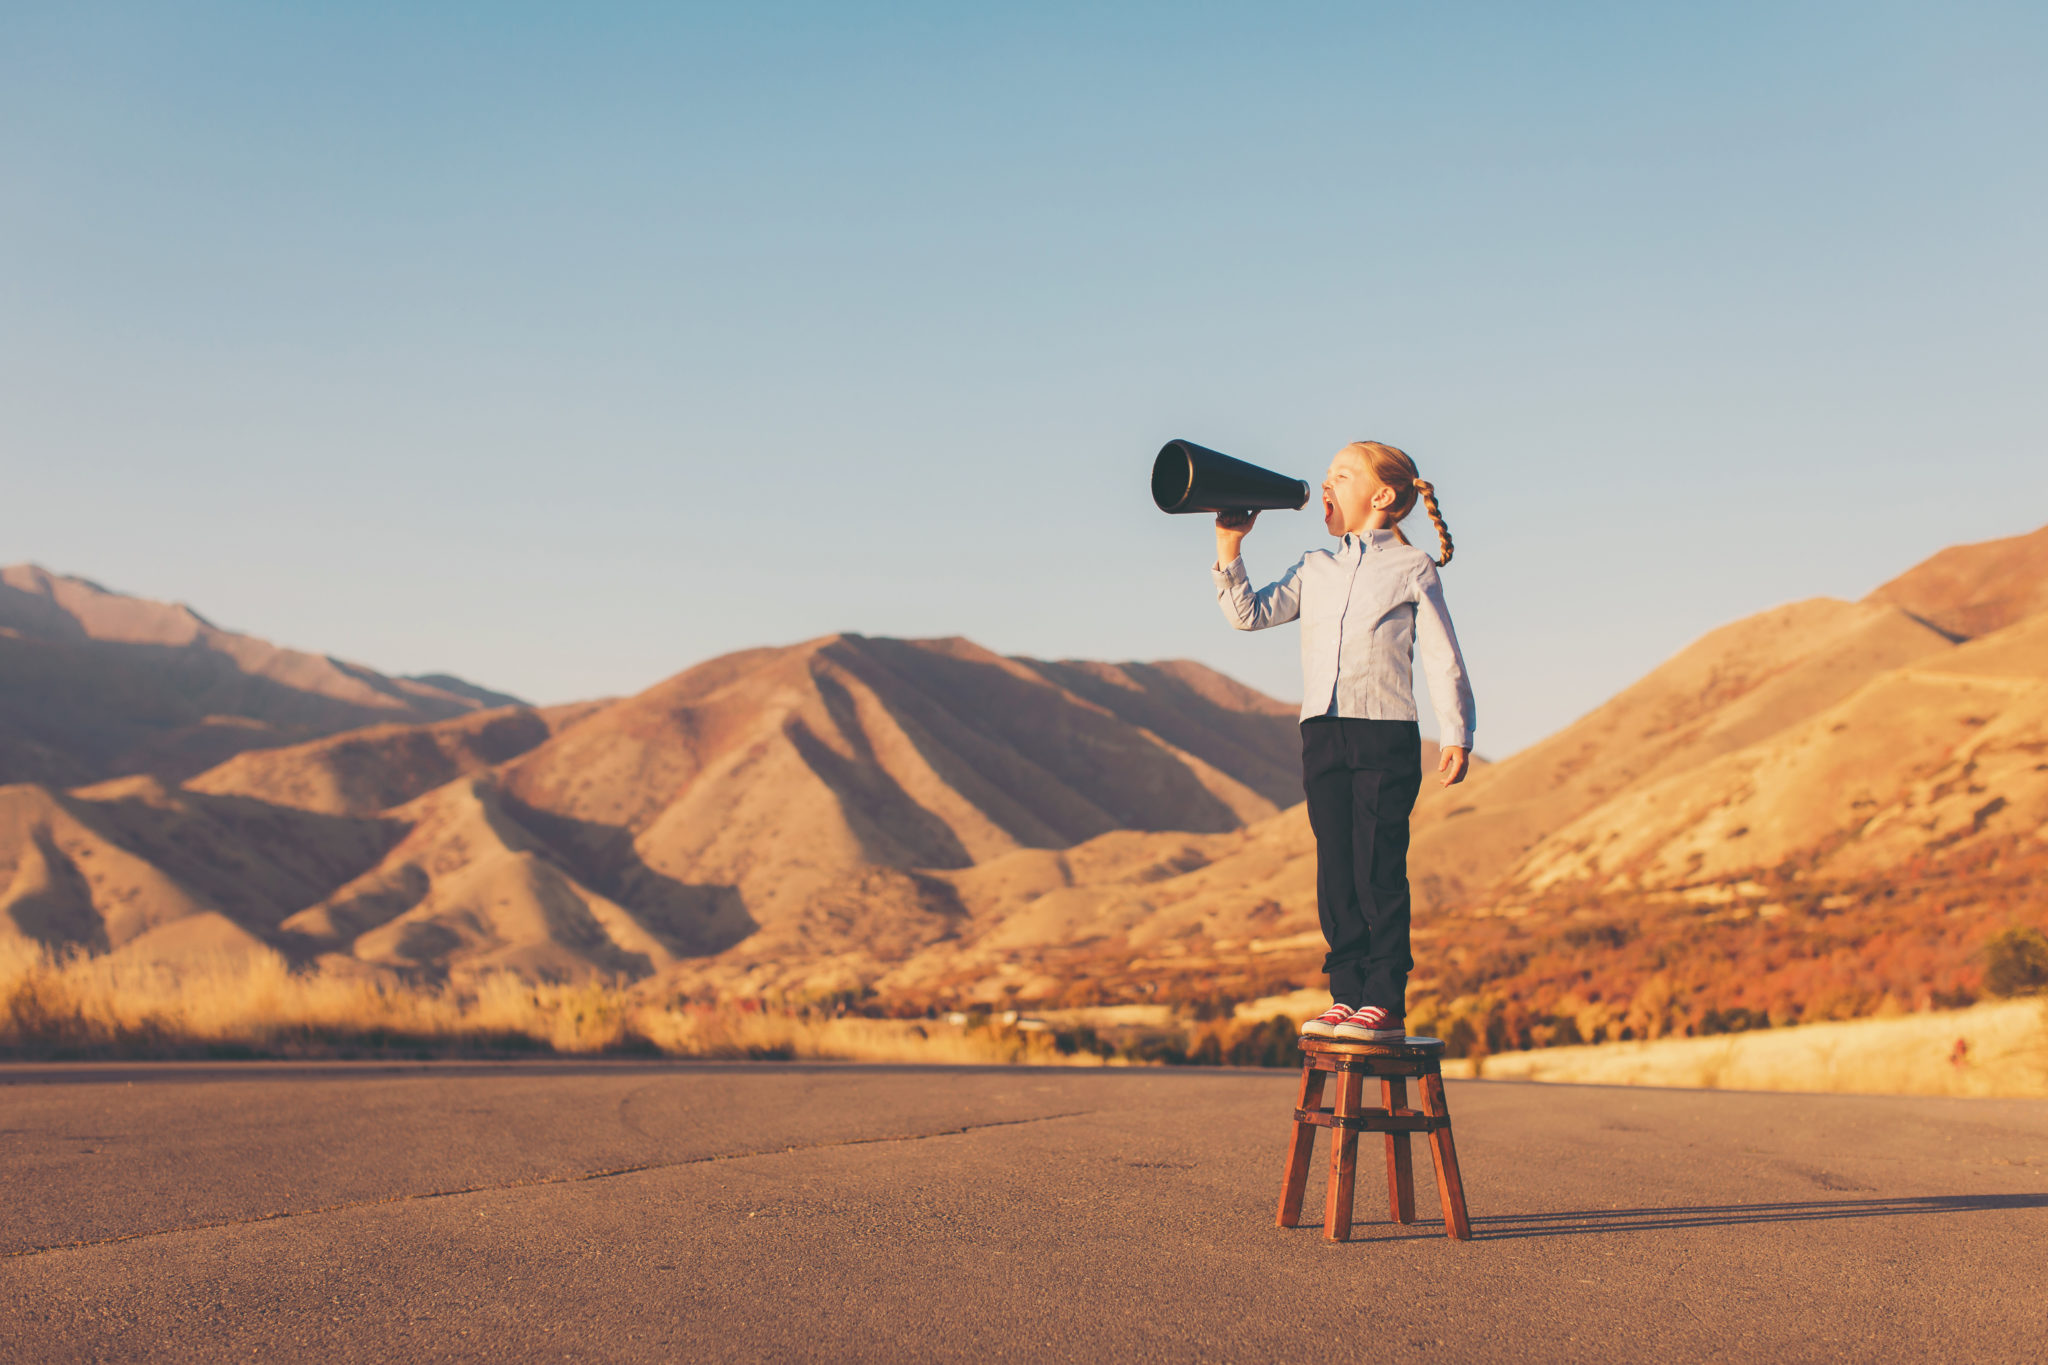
(1416, 1048)
(1394, 1062)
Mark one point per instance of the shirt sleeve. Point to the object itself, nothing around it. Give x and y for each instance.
(1450, 690)
(1247, 608)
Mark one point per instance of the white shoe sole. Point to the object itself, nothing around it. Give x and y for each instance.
(1316, 1028)
(1369, 1035)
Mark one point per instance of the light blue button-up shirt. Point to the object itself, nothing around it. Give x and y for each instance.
(1365, 608)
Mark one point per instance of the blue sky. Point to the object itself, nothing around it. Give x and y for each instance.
(563, 347)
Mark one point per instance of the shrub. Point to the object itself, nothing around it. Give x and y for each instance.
(1734, 1019)
(1158, 1049)
(2016, 962)
(1067, 1042)
(1273, 1043)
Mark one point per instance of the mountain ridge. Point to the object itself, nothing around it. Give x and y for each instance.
(1970, 590)
(100, 684)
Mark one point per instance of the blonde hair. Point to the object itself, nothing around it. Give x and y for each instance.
(1393, 468)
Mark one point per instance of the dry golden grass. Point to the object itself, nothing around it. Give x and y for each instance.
(2005, 1053)
(246, 1006)
(258, 1006)
(1996, 1049)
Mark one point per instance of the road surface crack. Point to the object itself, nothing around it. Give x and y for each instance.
(529, 1182)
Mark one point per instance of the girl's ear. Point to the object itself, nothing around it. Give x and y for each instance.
(1382, 498)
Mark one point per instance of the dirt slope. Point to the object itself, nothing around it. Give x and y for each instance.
(1928, 758)
(361, 772)
(1736, 686)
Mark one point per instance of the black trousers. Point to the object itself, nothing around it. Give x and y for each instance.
(1362, 777)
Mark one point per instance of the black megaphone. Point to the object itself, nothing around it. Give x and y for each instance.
(1191, 478)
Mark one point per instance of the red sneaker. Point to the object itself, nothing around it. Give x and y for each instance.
(1324, 1025)
(1373, 1025)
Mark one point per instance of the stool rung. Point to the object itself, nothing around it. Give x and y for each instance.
(1374, 1120)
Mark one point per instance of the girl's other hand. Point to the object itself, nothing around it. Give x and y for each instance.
(1451, 763)
(1231, 529)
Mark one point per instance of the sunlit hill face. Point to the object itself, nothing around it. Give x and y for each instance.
(1348, 491)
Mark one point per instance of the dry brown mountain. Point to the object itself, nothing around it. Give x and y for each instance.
(803, 802)
(1736, 687)
(940, 823)
(1927, 758)
(1847, 757)
(1897, 756)
(1742, 689)
(97, 684)
(793, 808)
(1235, 913)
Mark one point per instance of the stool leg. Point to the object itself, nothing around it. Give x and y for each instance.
(1300, 1147)
(1343, 1160)
(1445, 1154)
(1400, 1159)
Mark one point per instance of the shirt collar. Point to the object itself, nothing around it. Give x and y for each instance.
(1377, 536)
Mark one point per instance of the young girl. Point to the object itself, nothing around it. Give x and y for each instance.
(1364, 608)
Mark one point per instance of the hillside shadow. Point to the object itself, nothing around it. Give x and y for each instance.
(893, 829)
(1050, 768)
(693, 919)
(55, 909)
(1257, 748)
(1580, 1222)
(256, 863)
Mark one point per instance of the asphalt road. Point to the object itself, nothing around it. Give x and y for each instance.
(625, 1211)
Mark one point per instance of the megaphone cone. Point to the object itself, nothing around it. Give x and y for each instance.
(1191, 478)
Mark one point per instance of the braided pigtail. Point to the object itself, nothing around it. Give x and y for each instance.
(1436, 516)
(1392, 467)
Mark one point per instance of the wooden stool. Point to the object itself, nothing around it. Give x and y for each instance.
(1393, 1063)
